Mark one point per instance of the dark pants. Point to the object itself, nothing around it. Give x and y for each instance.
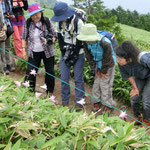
(144, 91)
(49, 68)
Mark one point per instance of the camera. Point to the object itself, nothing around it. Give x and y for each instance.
(48, 39)
(70, 57)
(68, 51)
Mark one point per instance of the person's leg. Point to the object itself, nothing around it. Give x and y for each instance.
(35, 61)
(146, 100)
(65, 76)
(106, 88)
(2, 58)
(78, 77)
(49, 68)
(96, 92)
(17, 40)
(9, 64)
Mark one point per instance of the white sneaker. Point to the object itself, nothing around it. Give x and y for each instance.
(44, 87)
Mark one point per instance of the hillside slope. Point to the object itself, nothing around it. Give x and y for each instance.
(139, 36)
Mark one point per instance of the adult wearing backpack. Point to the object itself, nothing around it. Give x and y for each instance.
(72, 54)
(18, 7)
(100, 57)
(40, 35)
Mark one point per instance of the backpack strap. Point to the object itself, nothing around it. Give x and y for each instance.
(28, 23)
(48, 25)
(75, 23)
(102, 41)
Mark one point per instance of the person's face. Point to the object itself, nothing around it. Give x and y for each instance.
(36, 17)
(122, 61)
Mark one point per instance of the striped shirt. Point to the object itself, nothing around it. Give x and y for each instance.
(48, 49)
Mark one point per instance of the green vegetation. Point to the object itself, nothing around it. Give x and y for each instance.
(131, 18)
(140, 37)
(28, 123)
(44, 3)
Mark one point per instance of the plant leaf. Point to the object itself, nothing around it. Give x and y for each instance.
(17, 145)
(4, 120)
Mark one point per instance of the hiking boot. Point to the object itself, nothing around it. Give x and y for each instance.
(5, 71)
(77, 108)
(65, 104)
(11, 68)
(108, 110)
(146, 122)
(96, 106)
(139, 119)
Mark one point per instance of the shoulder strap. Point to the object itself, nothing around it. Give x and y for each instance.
(102, 41)
(47, 23)
(76, 24)
(28, 22)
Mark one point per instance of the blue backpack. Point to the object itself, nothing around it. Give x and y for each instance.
(110, 36)
(111, 39)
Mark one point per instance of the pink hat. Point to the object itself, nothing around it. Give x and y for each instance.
(33, 9)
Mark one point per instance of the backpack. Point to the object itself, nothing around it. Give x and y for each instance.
(110, 36)
(111, 39)
(46, 22)
(80, 14)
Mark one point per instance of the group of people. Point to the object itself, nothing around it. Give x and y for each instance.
(12, 19)
(77, 41)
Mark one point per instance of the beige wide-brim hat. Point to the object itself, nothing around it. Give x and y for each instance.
(89, 33)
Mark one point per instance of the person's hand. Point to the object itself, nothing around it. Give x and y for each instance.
(24, 56)
(104, 76)
(97, 74)
(4, 28)
(134, 92)
(9, 15)
(54, 39)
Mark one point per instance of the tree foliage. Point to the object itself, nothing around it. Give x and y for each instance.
(132, 18)
(100, 16)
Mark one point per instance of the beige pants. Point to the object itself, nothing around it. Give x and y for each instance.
(102, 89)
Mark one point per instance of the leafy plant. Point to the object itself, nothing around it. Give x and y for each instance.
(30, 123)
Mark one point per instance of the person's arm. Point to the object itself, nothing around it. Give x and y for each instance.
(135, 90)
(24, 56)
(107, 61)
(24, 38)
(89, 58)
(55, 36)
(25, 2)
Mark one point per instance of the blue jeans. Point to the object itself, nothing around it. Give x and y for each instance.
(78, 78)
(143, 86)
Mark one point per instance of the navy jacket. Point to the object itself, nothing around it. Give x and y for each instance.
(140, 70)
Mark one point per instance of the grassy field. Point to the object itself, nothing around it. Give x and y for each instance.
(138, 36)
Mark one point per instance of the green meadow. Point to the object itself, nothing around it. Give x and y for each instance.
(140, 37)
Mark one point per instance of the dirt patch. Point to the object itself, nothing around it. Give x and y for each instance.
(57, 92)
